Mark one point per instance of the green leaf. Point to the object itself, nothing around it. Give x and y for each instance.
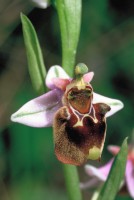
(34, 55)
(116, 175)
(69, 12)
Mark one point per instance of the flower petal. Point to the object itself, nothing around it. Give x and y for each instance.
(41, 3)
(113, 149)
(61, 83)
(39, 112)
(114, 104)
(93, 171)
(130, 178)
(55, 72)
(88, 77)
(101, 173)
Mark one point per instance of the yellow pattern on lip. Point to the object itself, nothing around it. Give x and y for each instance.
(79, 123)
(94, 153)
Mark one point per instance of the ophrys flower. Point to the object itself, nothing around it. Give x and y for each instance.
(78, 115)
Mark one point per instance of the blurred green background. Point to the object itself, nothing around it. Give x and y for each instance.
(28, 167)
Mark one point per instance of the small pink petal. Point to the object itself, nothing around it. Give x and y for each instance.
(106, 168)
(61, 83)
(130, 178)
(93, 171)
(113, 149)
(114, 104)
(55, 72)
(40, 111)
(101, 173)
(88, 77)
(131, 153)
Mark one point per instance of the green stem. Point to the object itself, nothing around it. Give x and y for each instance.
(72, 182)
(69, 12)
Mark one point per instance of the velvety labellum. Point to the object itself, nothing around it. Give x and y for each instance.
(79, 126)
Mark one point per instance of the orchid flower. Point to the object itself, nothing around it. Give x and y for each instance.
(77, 114)
(99, 175)
(41, 3)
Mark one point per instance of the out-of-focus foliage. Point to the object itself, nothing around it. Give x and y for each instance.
(28, 167)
